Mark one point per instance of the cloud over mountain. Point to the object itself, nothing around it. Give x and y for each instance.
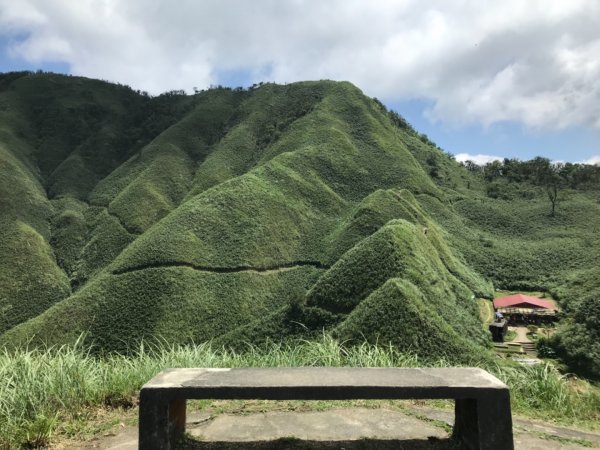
(478, 159)
(533, 62)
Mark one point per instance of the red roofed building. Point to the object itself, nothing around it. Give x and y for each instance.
(523, 301)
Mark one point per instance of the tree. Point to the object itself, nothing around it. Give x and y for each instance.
(552, 191)
(472, 166)
(539, 170)
(550, 176)
(553, 182)
(492, 170)
(512, 169)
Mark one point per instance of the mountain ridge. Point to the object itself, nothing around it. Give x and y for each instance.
(109, 197)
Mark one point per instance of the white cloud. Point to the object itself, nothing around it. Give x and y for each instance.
(480, 160)
(535, 62)
(594, 160)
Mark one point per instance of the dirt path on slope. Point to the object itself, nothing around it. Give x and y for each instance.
(211, 269)
(521, 334)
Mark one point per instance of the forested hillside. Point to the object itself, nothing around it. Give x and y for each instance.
(246, 215)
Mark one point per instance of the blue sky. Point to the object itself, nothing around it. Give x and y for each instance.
(509, 139)
(14, 62)
(505, 79)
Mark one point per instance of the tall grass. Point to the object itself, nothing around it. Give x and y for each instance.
(42, 388)
(541, 391)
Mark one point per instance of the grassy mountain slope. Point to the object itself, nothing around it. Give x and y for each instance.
(30, 278)
(397, 273)
(401, 313)
(522, 247)
(245, 215)
(59, 137)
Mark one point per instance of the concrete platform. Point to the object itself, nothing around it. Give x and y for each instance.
(340, 429)
(331, 425)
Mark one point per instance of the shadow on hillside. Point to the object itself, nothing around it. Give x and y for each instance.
(299, 444)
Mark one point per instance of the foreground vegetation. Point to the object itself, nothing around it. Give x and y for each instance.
(42, 390)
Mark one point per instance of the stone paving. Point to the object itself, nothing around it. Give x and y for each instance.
(528, 434)
(332, 425)
(419, 427)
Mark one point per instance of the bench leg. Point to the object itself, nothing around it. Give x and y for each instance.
(161, 422)
(485, 423)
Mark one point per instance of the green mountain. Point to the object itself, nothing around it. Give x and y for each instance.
(244, 215)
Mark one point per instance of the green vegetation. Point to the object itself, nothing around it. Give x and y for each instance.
(224, 221)
(272, 213)
(510, 336)
(578, 340)
(486, 312)
(47, 392)
(384, 284)
(526, 243)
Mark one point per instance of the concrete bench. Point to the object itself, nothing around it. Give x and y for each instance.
(482, 409)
